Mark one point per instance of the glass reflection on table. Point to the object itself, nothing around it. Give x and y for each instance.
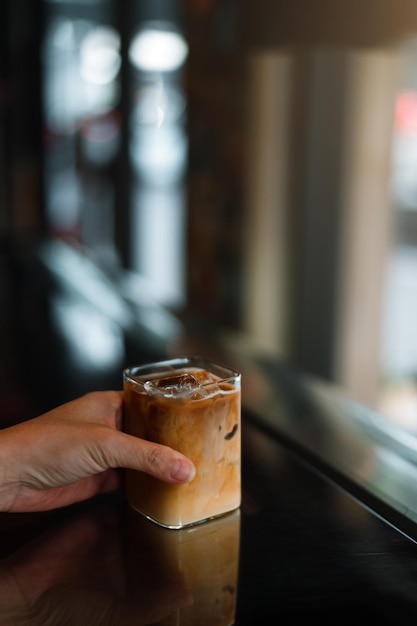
(109, 566)
(200, 562)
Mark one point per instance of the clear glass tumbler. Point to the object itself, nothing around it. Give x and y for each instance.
(192, 405)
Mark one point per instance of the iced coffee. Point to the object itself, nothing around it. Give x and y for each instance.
(193, 406)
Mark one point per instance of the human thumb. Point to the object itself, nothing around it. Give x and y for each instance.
(160, 461)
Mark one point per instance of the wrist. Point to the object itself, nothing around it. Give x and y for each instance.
(8, 477)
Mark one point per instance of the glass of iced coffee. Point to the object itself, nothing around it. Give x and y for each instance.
(193, 406)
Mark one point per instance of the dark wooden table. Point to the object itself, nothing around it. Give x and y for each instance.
(301, 547)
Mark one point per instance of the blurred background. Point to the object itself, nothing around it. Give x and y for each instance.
(227, 167)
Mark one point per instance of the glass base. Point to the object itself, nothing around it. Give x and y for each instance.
(182, 526)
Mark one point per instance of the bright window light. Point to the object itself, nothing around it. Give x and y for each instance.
(156, 50)
(100, 56)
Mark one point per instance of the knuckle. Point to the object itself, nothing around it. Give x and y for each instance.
(155, 457)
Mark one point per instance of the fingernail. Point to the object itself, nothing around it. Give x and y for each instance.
(183, 471)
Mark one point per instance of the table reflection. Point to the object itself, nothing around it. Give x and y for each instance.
(111, 567)
(202, 559)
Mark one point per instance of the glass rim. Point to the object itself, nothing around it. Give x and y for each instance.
(178, 362)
